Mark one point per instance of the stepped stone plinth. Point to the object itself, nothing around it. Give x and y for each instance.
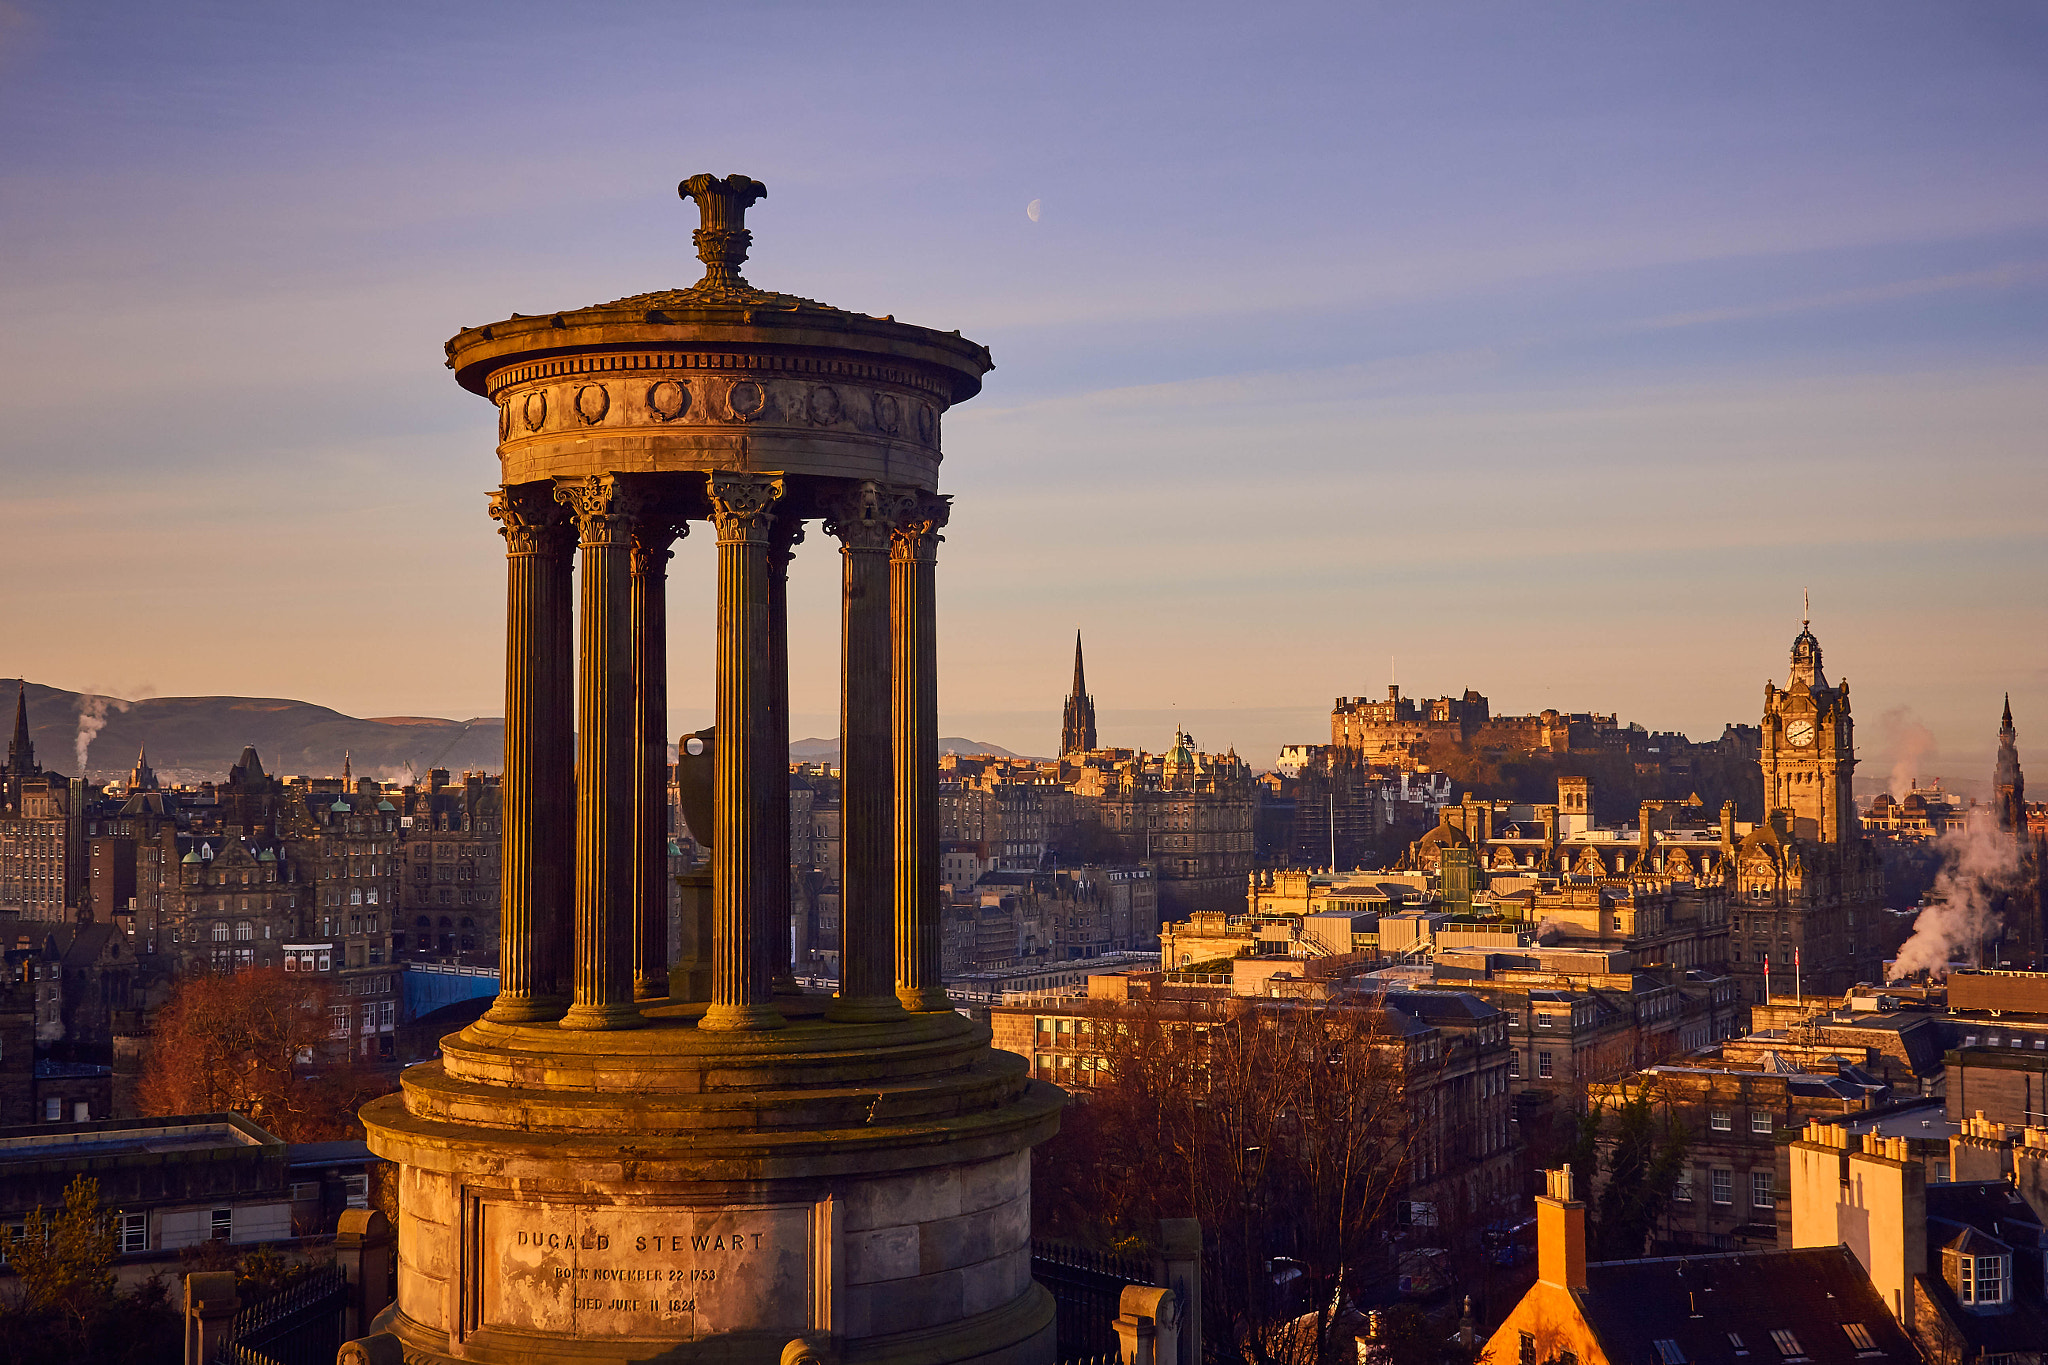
(633, 1159)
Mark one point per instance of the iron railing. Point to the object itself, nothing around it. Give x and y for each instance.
(1087, 1287)
(300, 1324)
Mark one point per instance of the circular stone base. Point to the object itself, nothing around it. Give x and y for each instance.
(676, 1192)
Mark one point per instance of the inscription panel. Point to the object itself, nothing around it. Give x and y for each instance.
(647, 1271)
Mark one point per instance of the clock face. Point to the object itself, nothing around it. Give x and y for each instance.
(1800, 733)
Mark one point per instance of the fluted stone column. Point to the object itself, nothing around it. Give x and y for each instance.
(863, 521)
(602, 989)
(743, 874)
(783, 538)
(914, 714)
(651, 537)
(534, 916)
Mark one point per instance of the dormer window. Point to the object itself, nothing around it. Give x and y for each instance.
(1981, 1279)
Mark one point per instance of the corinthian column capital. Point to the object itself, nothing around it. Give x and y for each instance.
(917, 526)
(742, 506)
(531, 521)
(651, 536)
(602, 506)
(783, 537)
(864, 517)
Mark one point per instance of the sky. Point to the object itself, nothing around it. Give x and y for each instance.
(1547, 350)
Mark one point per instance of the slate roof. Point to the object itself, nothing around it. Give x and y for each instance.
(1991, 1215)
(1723, 1309)
(1442, 1007)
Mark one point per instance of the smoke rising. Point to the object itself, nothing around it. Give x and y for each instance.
(1911, 744)
(92, 718)
(1977, 864)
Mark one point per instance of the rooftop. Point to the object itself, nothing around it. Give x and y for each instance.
(124, 1137)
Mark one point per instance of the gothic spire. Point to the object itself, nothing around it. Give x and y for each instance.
(21, 753)
(1077, 727)
(2008, 783)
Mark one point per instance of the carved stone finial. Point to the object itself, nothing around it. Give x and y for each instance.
(723, 240)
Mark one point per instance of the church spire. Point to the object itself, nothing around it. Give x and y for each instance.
(2008, 783)
(21, 753)
(1077, 727)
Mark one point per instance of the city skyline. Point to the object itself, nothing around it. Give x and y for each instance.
(1550, 357)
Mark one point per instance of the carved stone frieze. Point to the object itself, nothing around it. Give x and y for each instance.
(667, 400)
(888, 412)
(535, 409)
(592, 403)
(746, 400)
(822, 405)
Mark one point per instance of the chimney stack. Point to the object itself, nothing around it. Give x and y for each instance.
(1560, 1232)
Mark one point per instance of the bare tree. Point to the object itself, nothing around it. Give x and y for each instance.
(1283, 1125)
(254, 1043)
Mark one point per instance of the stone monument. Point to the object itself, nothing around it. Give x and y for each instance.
(628, 1158)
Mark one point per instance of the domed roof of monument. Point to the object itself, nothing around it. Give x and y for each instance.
(722, 309)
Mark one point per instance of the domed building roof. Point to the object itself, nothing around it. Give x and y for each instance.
(722, 304)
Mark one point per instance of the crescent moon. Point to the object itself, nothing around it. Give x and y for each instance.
(1031, 210)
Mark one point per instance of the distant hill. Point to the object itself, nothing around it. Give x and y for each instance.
(193, 739)
(197, 739)
(827, 750)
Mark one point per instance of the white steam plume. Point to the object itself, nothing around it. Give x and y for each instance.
(92, 718)
(1911, 744)
(1977, 863)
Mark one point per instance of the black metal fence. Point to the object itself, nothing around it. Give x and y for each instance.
(300, 1324)
(1086, 1286)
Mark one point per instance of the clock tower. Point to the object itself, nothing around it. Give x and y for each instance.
(1809, 748)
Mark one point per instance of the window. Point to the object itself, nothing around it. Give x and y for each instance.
(1859, 1336)
(1735, 1344)
(1515, 1065)
(1683, 1189)
(53, 1109)
(305, 1191)
(1669, 1352)
(1721, 1121)
(1543, 1065)
(1787, 1344)
(221, 1225)
(220, 931)
(1545, 1020)
(1526, 1350)
(1989, 1279)
(134, 1232)
(244, 931)
(1759, 1121)
(81, 1112)
(358, 1188)
(1763, 1191)
(1722, 1184)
